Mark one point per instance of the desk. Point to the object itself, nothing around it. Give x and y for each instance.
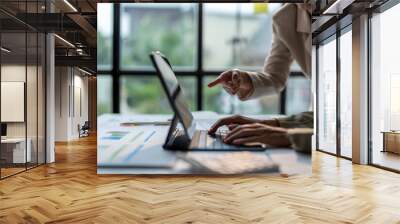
(391, 141)
(290, 162)
(13, 150)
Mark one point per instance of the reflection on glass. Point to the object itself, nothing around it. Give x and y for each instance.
(346, 94)
(298, 95)
(104, 35)
(385, 84)
(144, 94)
(169, 28)
(327, 97)
(216, 99)
(104, 94)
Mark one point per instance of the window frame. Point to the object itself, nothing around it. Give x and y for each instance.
(338, 28)
(198, 72)
(27, 29)
(378, 10)
(332, 33)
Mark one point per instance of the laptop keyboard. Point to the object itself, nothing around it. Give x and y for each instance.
(202, 141)
(213, 142)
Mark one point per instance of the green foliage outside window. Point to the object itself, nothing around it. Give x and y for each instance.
(175, 39)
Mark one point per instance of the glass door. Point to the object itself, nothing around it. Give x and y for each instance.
(346, 94)
(385, 89)
(326, 107)
(22, 77)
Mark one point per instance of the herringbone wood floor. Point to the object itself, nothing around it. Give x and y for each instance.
(69, 191)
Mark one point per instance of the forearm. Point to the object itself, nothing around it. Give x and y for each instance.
(299, 130)
(301, 120)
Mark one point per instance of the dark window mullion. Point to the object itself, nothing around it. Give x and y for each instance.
(200, 57)
(1, 165)
(316, 113)
(338, 97)
(116, 60)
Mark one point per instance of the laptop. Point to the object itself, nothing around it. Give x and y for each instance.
(189, 137)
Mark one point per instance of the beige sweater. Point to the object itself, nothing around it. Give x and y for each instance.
(291, 41)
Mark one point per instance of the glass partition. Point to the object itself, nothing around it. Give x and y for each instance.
(15, 148)
(22, 67)
(327, 96)
(385, 89)
(346, 94)
(32, 98)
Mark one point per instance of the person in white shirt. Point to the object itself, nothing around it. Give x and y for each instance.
(291, 42)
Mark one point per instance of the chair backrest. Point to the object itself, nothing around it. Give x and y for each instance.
(86, 125)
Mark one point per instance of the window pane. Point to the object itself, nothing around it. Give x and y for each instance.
(327, 97)
(298, 95)
(216, 99)
(104, 94)
(32, 99)
(169, 28)
(144, 94)
(385, 84)
(104, 36)
(346, 94)
(237, 34)
(13, 84)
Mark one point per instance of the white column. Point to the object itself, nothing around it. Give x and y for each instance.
(50, 98)
(360, 90)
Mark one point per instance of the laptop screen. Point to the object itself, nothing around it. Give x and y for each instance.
(175, 93)
(168, 75)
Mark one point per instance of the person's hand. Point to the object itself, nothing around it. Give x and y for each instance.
(232, 122)
(258, 133)
(235, 82)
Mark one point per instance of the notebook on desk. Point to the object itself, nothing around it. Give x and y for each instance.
(133, 147)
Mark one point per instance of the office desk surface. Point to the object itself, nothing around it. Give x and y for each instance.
(13, 140)
(290, 162)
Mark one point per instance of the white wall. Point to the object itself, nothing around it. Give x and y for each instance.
(33, 126)
(71, 102)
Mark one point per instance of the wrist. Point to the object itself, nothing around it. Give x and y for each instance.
(272, 122)
(246, 85)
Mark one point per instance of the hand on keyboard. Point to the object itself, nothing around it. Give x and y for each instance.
(258, 133)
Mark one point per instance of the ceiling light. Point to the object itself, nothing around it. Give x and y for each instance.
(84, 71)
(65, 41)
(70, 5)
(5, 50)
